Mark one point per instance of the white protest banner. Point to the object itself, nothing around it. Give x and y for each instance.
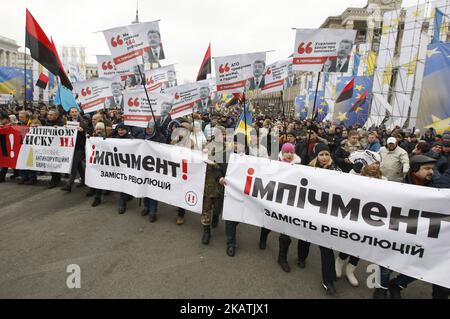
(171, 174)
(323, 50)
(48, 149)
(405, 228)
(135, 44)
(279, 76)
(189, 98)
(137, 111)
(94, 93)
(236, 73)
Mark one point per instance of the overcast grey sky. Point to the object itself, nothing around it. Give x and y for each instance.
(232, 26)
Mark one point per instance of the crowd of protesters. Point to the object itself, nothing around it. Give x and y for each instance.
(397, 155)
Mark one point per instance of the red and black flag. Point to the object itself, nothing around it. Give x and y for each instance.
(359, 102)
(205, 69)
(347, 92)
(43, 81)
(43, 50)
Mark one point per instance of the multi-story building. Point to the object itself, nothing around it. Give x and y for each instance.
(8, 52)
(91, 71)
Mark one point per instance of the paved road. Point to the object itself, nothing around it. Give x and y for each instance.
(124, 256)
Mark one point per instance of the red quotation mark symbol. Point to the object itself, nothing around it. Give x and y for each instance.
(177, 96)
(150, 81)
(87, 91)
(107, 66)
(269, 71)
(116, 41)
(224, 68)
(134, 102)
(302, 49)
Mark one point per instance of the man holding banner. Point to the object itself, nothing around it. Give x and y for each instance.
(78, 155)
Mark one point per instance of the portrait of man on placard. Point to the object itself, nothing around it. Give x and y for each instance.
(291, 79)
(342, 61)
(258, 80)
(205, 102)
(156, 51)
(136, 79)
(171, 80)
(166, 108)
(116, 101)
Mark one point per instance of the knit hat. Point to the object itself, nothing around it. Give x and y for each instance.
(288, 148)
(122, 126)
(186, 125)
(446, 143)
(100, 126)
(319, 148)
(437, 144)
(13, 119)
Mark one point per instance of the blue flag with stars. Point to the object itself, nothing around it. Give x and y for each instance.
(12, 82)
(321, 108)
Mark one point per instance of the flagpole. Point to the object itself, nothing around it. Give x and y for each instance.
(313, 117)
(245, 120)
(25, 74)
(146, 94)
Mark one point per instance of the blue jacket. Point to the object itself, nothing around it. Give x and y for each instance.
(444, 180)
(374, 147)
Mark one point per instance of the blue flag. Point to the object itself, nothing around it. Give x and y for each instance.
(246, 117)
(438, 17)
(64, 97)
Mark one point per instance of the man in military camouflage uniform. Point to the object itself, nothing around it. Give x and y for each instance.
(214, 192)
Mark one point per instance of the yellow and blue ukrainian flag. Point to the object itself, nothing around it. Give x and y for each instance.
(246, 117)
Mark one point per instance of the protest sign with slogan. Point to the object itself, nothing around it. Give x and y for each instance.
(406, 229)
(93, 94)
(45, 149)
(135, 44)
(189, 98)
(170, 174)
(236, 73)
(323, 50)
(278, 76)
(138, 111)
(107, 68)
(157, 80)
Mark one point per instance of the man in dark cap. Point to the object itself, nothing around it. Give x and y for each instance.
(421, 173)
(437, 153)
